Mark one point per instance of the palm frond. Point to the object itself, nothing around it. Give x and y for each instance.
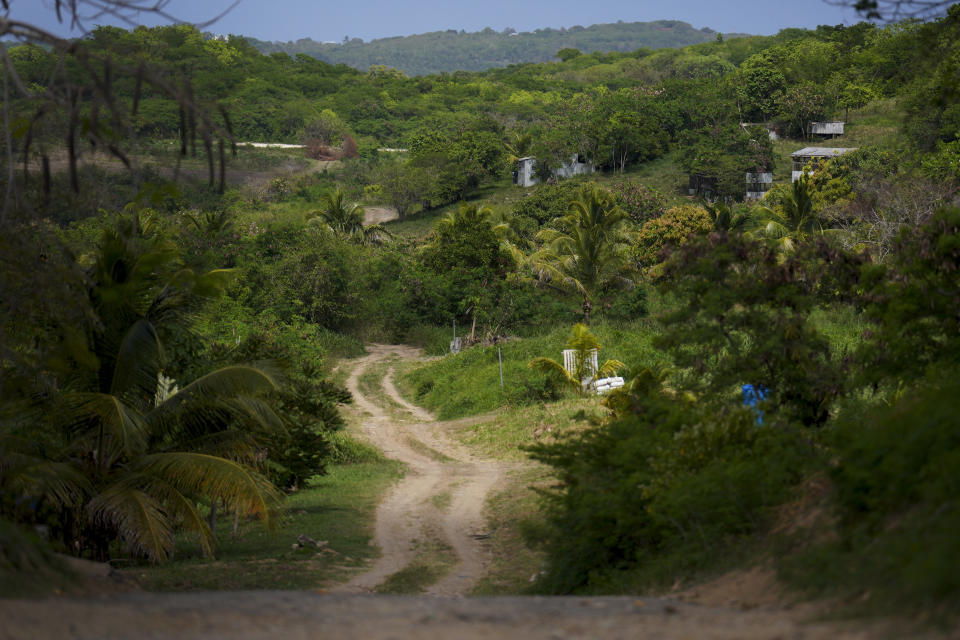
(120, 428)
(61, 483)
(137, 516)
(216, 478)
(182, 508)
(138, 361)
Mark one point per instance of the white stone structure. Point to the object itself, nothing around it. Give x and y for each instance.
(525, 174)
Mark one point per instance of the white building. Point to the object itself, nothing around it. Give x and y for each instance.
(813, 156)
(757, 185)
(525, 175)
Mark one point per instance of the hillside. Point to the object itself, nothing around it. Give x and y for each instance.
(453, 50)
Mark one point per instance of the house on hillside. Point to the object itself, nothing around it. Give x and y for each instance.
(525, 173)
(758, 183)
(826, 129)
(812, 157)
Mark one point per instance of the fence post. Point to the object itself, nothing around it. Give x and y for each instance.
(500, 360)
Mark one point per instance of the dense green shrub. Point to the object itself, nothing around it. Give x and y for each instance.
(896, 498)
(670, 481)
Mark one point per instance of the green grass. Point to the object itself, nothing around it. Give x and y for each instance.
(337, 508)
(371, 384)
(441, 501)
(503, 436)
(514, 515)
(468, 383)
(662, 174)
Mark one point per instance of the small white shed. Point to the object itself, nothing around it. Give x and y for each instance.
(830, 129)
(525, 176)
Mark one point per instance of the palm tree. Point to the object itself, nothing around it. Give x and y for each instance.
(518, 146)
(589, 249)
(584, 344)
(725, 218)
(346, 218)
(119, 460)
(793, 221)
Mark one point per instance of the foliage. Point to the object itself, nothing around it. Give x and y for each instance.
(895, 498)
(116, 458)
(640, 202)
(584, 344)
(588, 250)
(666, 485)
(439, 51)
(745, 319)
(794, 221)
(676, 227)
(725, 152)
(913, 302)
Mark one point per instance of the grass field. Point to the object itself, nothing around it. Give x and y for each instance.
(337, 508)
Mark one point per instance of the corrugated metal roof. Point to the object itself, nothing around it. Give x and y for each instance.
(823, 152)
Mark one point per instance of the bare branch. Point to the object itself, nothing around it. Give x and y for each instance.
(894, 10)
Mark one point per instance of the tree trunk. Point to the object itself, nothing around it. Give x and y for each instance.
(587, 307)
(213, 515)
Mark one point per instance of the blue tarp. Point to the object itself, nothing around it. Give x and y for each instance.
(754, 395)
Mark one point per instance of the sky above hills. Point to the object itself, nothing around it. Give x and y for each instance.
(368, 19)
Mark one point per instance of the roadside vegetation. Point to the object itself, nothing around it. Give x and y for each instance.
(168, 349)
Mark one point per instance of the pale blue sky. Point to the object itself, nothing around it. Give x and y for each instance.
(368, 19)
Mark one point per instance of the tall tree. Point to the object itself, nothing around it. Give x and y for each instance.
(587, 250)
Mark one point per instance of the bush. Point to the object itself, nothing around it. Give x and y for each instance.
(670, 482)
(639, 201)
(896, 498)
(674, 228)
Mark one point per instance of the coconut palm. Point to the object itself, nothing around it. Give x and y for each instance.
(584, 344)
(518, 146)
(726, 218)
(119, 460)
(793, 220)
(588, 250)
(346, 219)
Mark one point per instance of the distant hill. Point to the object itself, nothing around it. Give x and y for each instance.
(453, 50)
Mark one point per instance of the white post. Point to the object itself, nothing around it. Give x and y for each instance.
(500, 360)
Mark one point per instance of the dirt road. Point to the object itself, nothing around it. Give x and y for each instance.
(441, 498)
(442, 495)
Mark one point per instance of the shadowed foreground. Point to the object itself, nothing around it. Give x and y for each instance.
(293, 615)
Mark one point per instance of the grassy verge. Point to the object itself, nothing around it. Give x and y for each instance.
(514, 516)
(337, 508)
(502, 436)
(468, 383)
(371, 384)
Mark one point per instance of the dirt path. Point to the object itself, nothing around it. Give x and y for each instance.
(439, 471)
(409, 514)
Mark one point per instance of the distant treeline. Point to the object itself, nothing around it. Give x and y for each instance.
(454, 50)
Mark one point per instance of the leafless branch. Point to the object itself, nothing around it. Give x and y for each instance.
(61, 99)
(894, 10)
